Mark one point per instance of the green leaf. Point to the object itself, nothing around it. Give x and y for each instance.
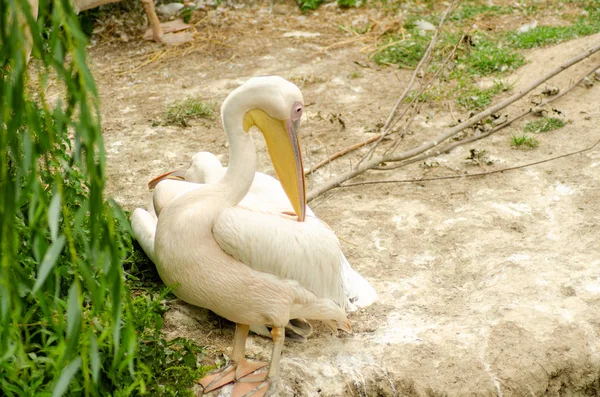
(54, 215)
(48, 262)
(65, 377)
(73, 316)
(94, 358)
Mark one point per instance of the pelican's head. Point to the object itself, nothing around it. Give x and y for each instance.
(205, 167)
(275, 107)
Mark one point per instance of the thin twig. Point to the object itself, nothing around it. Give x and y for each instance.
(440, 178)
(374, 162)
(340, 154)
(416, 72)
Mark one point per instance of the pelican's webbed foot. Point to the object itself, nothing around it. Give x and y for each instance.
(232, 373)
(252, 386)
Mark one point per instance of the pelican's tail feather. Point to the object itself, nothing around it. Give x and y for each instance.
(308, 306)
(359, 293)
(296, 330)
(300, 327)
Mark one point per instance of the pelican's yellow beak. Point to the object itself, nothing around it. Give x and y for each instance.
(178, 175)
(284, 149)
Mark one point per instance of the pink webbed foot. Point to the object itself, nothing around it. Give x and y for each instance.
(232, 373)
(252, 386)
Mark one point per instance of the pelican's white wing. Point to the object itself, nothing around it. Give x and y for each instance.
(143, 225)
(307, 252)
(269, 194)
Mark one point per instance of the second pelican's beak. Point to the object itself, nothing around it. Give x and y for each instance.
(284, 149)
(178, 175)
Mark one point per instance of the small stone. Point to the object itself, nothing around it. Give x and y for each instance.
(539, 111)
(551, 90)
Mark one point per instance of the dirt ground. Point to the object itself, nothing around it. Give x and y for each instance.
(488, 286)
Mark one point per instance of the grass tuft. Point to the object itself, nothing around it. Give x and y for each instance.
(524, 141)
(180, 113)
(470, 11)
(472, 97)
(406, 53)
(491, 56)
(544, 124)
(545, 35)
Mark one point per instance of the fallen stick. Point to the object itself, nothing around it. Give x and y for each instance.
(340, 154)
(440, 178)
(391, 157)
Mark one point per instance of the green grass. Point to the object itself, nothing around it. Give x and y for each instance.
(492, 56)
(406, 53)
(546, 35)
(489, 55)
(544, 124)
(306, 5)
(180, 113)
(524, 141)
(346, 3)
(470, 11)
(473, 98)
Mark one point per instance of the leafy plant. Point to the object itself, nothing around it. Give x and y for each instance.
(180, 113)
(306, 5)
(524, 141)
(69, 323)
(472, 97)
(346, 3)
(544, 124)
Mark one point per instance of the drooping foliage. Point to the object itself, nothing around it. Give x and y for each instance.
(69, 324)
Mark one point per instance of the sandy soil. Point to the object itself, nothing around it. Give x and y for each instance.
(488, 286)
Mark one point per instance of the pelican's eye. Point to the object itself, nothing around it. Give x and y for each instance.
(296, 111)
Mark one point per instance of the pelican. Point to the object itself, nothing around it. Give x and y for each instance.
(265, 194)
(251, 266)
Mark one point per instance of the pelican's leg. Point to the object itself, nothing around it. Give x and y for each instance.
(239, 367)
(157, 32)
(257, 385)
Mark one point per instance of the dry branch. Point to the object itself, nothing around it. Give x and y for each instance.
(488, 133)
(392, 157)
(340, 154)
(440, 178)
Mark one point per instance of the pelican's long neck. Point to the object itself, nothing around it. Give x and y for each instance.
(242, 158)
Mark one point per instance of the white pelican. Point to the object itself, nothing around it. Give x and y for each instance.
(247, 266)
(265, 194)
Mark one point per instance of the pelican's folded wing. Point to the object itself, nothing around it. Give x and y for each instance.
(271, 242)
